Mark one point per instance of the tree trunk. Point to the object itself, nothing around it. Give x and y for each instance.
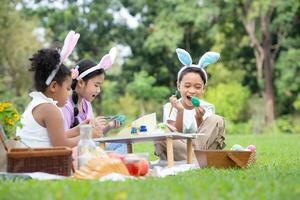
(268, 70)
(269, 90)
(263, 56)
(142, 108)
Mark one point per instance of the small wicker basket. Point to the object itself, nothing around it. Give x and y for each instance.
(56, 160)
(224, 159)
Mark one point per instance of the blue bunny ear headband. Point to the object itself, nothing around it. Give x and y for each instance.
(186, 60)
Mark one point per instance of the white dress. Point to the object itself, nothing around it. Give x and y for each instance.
(32, 134)
(189, 121)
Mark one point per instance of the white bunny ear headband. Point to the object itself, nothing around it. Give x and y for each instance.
(186, 60)
(69, 44)
(105, 63)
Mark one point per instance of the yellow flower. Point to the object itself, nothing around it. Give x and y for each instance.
(9, 121)
(9, 118)
(16, 117)
(6, 105)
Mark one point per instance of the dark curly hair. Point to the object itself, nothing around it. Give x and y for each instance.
(83, 66)
(43, 62)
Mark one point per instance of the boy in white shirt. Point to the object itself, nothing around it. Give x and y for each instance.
(185, 117)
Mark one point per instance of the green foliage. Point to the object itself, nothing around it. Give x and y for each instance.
(229, 99)
(218, 73)
(142, 88)
(197, 26)
(238, 128)
(8, 95)
(111, 103)
(18, 43)
(128, 105)
(256, 109)
(287, 82)
(106, 105)
(171, 38)
(286, 124)
(91, 19)
(137, 99)
(296, 103)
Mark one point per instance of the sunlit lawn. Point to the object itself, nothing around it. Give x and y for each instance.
(276, 175)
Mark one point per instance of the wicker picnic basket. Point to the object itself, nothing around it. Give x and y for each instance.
(224, 159)
(56, 160)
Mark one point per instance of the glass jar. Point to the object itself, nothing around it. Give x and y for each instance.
(86, 145)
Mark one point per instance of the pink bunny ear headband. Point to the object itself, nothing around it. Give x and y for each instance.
(105, 63)
(186, 60)
(69, 44)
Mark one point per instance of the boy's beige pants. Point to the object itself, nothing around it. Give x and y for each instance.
(214, 129)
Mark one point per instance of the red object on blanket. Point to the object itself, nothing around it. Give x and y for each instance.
(144, 167)
(137, 166)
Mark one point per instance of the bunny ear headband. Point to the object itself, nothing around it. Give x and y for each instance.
(186, 60)
(105, 63)
(69, 44)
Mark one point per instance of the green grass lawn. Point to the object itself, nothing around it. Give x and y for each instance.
(276, 175)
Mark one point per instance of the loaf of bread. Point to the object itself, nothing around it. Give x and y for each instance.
(98, 167)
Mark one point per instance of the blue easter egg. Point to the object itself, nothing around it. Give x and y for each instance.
(237, 147)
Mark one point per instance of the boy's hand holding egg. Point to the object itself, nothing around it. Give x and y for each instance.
(195, 101)
(199, 110)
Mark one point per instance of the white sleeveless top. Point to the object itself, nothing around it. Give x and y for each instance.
(33, 134)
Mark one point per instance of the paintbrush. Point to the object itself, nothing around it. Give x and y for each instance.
(120, 118)
(110, 117)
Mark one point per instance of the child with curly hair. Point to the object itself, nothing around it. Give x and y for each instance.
(43, 123)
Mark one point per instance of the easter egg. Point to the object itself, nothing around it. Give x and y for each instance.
(195, 101)
(121, 119)
(251, 147)
(237, 147)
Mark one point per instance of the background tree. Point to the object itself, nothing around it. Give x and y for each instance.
(143, 89)
(258, 42)
(267, 24)
(18, 41)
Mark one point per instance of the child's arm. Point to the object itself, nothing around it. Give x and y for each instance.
(53, 121)
(108, 124)
(179, 117)
(179, 120)
(199, 115)
(111, 125)
(72, 132)
(101, 122)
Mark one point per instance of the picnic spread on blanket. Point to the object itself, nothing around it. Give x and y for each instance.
(95, 163)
